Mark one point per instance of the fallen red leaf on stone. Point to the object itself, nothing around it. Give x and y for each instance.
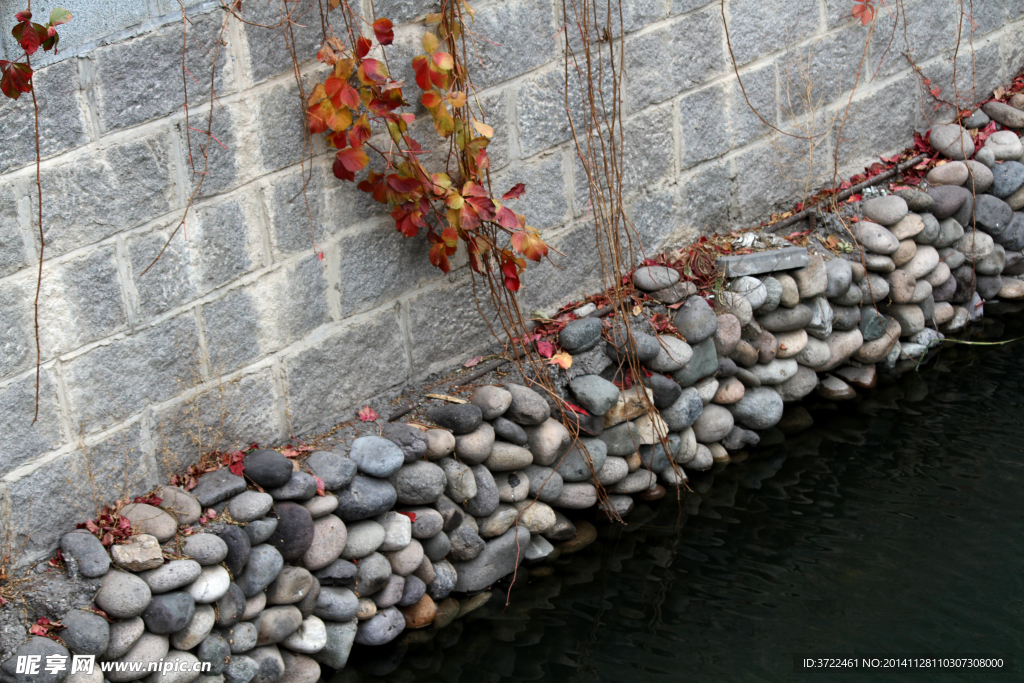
(320, 490)
(367, 414)
(410, 515)
(472, 361)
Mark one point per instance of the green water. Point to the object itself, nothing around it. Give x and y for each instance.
(894, 526)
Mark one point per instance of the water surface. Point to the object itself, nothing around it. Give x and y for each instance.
(894, 525)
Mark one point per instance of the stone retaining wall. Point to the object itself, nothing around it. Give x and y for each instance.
(271, 575)
(240, 301)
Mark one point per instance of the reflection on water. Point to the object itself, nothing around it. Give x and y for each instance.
(894, 525)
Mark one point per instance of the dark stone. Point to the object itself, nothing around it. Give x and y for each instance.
(366, 497)
(336, 604)
(300, 486)
(337, 573)
(412, 441)
(413, 591)
(230, 607)
(965, 214)
(240, 669)
(169, 612)
(382, 628)
(621, 439)
(988, 286)
(917, 201)
(437, 546)
(947, 199)
(726, 367)
(696, 320)
(665, 390)
(215, 650)
(465, 544)
(444, 580)
(563, 529)
(595, 394)
(872, 324)
(507, 430)
(268, 468)
(259, 530)
(620, 351)
(335, 469)
(703, 363)
(1013, 236)
(92, 558)
(500, 556)
(43, 648)
(85, 633)
(588, 425)
(213, 487)
(945, 291)
(845, 318)
(294, 532)
(580, 335)
(265, 563)
(451, 513)
(458, 418)
(1008, 177)
(993, 215)
(372, 574)
(486, 500)
(683, 412)
(238, 548)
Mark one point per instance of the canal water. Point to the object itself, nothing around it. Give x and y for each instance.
(892, 527)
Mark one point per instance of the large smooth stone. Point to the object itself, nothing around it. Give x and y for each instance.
(760, 408)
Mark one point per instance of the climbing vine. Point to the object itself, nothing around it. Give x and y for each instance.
(453, 205)
(16, 79)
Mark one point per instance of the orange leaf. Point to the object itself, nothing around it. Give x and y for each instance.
(443, 60)
(431, 99)
(562, 360)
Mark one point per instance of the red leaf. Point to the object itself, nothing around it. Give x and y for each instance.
(372, 72)
(17, 78)
(410, 515)
(368, 414)
(382, 28)
(320, 490)
(545, 349)
(864, 12)
(353, 158)
(575, 408)
(25, 34)
(475, 360)
(507, 218)
(23, 15)
(342, 173)
(363, 46)
(237, 468)
(516, 192)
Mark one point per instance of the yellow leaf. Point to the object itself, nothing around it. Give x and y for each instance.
(561, 359)
(429, 42)
(483, 129)
(319, 93)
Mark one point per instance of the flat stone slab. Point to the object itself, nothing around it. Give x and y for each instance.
(763, 261)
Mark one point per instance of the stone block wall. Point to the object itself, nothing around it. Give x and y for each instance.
(139, 370)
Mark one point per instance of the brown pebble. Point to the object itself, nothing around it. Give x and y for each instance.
(586, 533)
(421, 614)
(656, 492)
